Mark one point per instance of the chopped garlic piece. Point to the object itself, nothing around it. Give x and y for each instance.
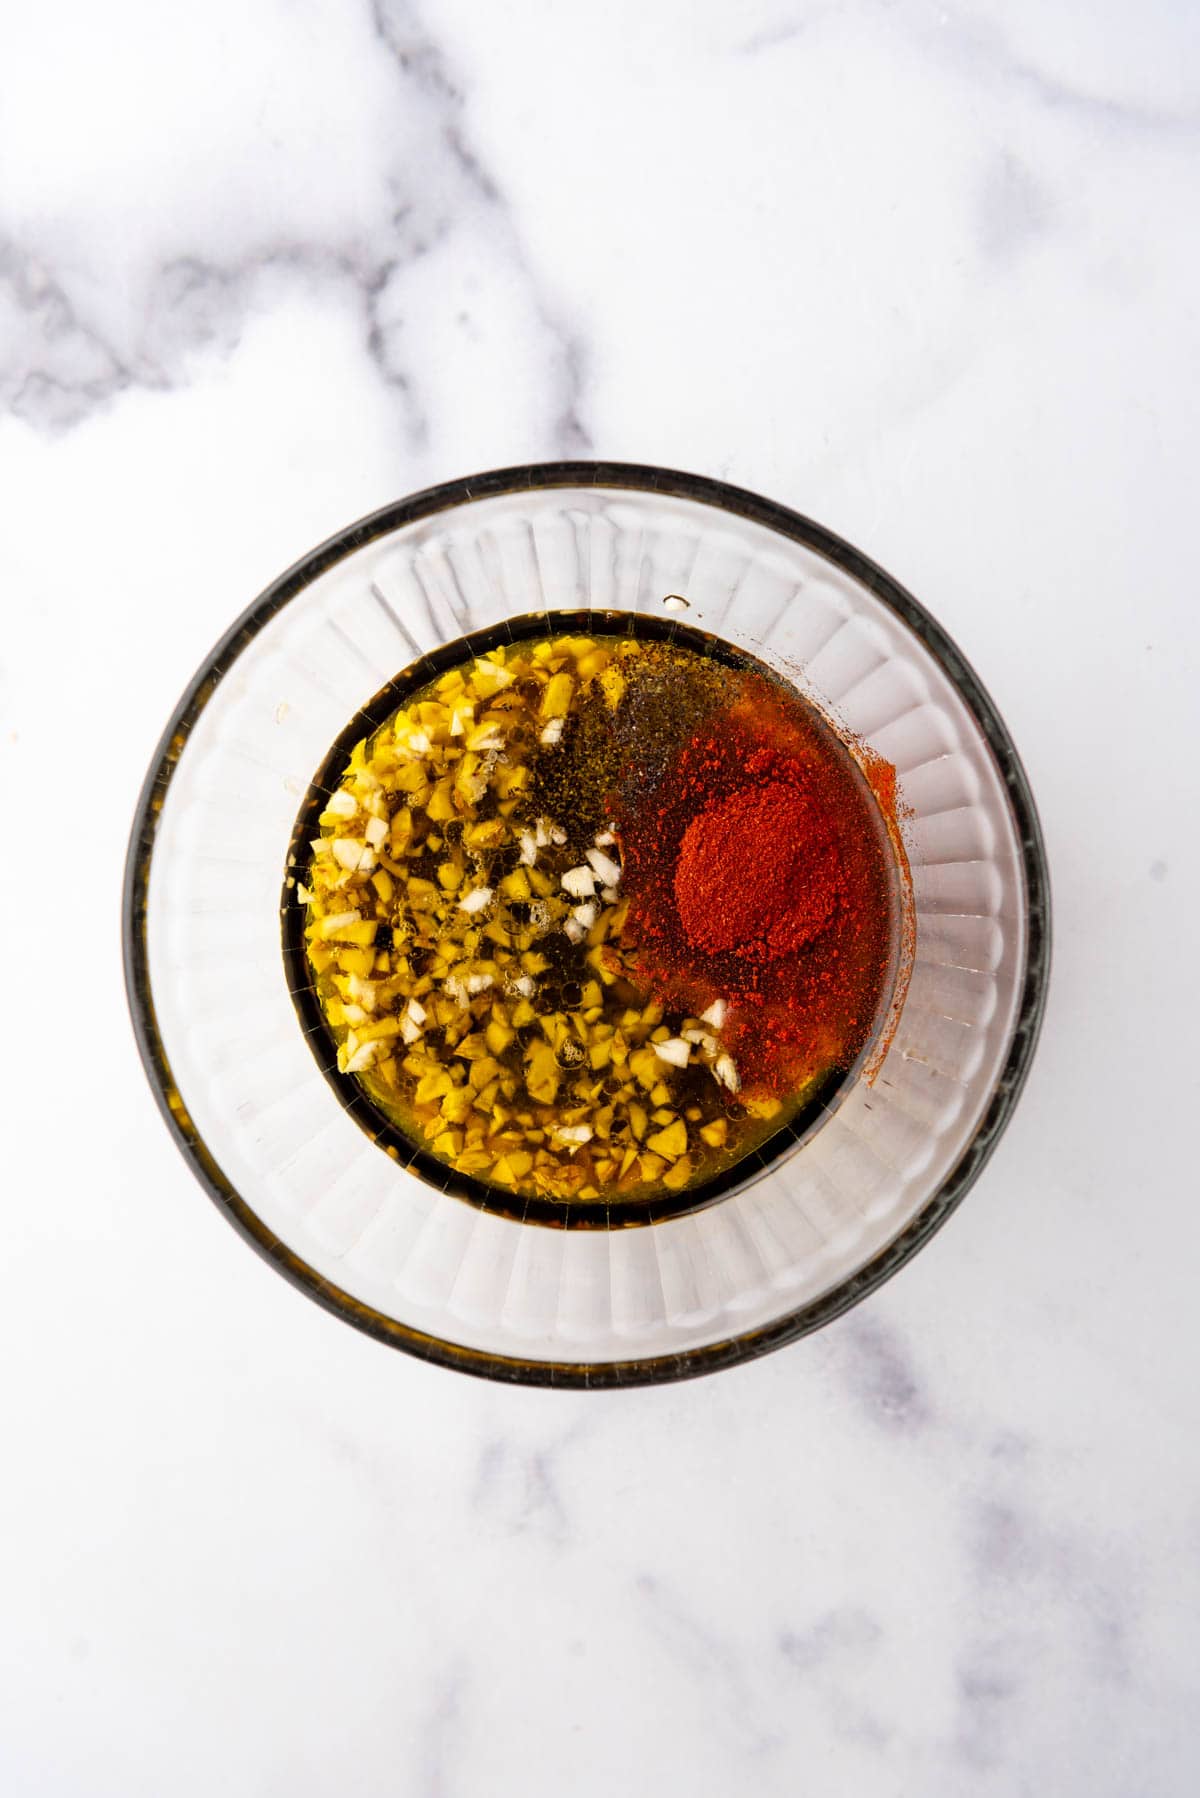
(552, 733)
(376, 832)
(604, 838)
(525, 985)
(361, 990)
(609, 895)
(715, 1015)
(574, 930)
(528, 849)
(556, 695)
(607, 870)
(338, 920)
(674, 1050)
(500, 677)
(486, 737)
(579, 882)
(348, 852)
(479, 983)
(476, 900)
(543, 832)
(341, 804)
(408, 1030)
(557, 834)
(416, 1011)
(362, 1057)
(726, 1072)
(585, 914)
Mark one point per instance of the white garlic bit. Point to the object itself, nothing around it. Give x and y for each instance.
(348, 852)
(476, 900)
(524, 985)
(408, 1030)
(552, 733)
(604, 838)
(573, 929)
(416, 1011)
(585, 914)
(338, 920)
(479, 983)
(528, 848)
(376, 832)
(607, 870)
(715, 1015)
(726, 1072)
(342, 804)
(579, 882)
(493, 670)
(475, 785)
(361, 990)
(674, 1050)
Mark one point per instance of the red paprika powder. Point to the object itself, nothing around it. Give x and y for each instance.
(761, 873)
(758, 870)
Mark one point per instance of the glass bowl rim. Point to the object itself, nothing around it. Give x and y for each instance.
(670, 483)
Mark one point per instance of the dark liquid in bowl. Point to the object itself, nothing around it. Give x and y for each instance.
(497, 956)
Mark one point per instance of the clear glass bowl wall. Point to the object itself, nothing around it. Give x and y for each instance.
(426, 1269)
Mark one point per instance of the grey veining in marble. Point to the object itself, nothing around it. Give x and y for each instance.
(925, 271)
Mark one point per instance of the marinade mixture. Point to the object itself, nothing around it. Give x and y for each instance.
(593, 918)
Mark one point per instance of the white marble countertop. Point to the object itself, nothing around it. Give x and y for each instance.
(925, 272)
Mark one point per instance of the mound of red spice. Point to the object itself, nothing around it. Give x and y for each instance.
(757, 871)
(779, 830)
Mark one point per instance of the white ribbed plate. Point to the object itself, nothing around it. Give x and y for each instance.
(430, 1271)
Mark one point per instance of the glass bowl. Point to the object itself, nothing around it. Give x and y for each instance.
(284, 1151)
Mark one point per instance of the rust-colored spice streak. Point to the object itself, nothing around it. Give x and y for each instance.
(761, 874)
